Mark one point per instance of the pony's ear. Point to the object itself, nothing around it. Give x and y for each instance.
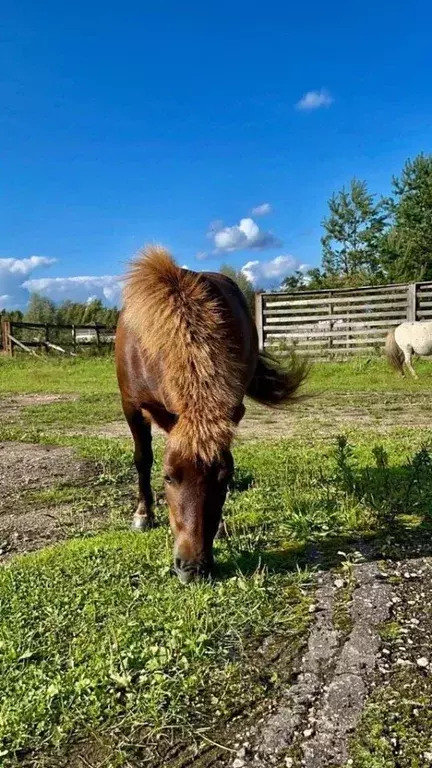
(237, 413)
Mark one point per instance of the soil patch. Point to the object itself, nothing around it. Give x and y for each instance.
(25, 467)
(322, 415)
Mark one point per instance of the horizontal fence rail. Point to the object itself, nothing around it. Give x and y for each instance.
(65, 338)
(340, 321)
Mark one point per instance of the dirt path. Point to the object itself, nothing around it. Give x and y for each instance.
(318, 416)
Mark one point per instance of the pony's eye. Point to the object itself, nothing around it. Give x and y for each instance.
(168, 479)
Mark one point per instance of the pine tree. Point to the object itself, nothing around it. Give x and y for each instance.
(408, 246)
(353, 233)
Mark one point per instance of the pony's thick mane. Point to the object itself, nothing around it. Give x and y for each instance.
(184, 327)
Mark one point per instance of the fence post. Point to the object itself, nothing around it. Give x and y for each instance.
(412, 302)
(330, 307)
(259, 320)
(7, 341)
(74, 337)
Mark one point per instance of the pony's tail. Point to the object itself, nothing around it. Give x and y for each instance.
(274, 385)
(393, 352)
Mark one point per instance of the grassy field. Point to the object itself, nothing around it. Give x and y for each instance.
(105, 659)
(97, 376)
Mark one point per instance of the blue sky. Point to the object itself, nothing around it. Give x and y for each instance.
(124, 123)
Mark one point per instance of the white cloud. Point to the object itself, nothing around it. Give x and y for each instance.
(12, 274)
(261, 210)
(314, 100)
(269, 274)
(201, 255)
(80, 288)
(243, 236)
(21, 267)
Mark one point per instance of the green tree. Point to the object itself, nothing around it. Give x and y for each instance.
(353, 234)
(14, 315)
(40, 310)
(295, 282)
(243, 283)
(43, 310)
(407, 248)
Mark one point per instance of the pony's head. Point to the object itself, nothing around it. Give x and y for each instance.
(195, 492)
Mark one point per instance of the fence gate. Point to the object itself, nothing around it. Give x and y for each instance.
(341, 321)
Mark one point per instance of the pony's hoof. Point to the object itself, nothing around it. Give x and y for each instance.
(142, 523)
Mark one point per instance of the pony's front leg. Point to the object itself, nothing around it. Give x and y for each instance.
(143, 457)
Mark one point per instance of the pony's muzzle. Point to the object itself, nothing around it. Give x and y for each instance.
(188, 571)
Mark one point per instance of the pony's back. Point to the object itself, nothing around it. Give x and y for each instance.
(183, 325)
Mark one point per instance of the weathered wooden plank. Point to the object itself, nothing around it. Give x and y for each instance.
(337, 300)
(361, 289)
(280, 315)
(24, 346)
(259, 319)
(412, 302)
(326, 334)
(94, 327)
(324, 352)
(354, 342)
(341, 325)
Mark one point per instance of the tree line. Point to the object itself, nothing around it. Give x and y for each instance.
(368, 241)
(42, 310)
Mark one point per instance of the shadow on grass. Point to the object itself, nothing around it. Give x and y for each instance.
(398, 498)
(395, 543)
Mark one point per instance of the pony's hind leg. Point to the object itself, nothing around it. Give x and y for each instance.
(408, 358)
(143, 457)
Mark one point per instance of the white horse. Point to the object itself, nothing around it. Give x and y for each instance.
(408, 339)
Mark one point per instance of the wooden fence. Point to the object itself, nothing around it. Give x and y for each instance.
(339, 322)
(48, 336)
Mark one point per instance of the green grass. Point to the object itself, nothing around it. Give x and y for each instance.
(88, 409)
(97, 376)
(93, 375)
(100, 644)
(94, 634)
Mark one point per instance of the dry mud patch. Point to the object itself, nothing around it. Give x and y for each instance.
(33, 467)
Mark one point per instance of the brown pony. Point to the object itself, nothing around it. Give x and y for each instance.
(186, 355)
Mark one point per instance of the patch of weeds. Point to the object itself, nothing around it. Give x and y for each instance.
(342, 619)
(389, 631)
(396, 726)
(392, 492)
